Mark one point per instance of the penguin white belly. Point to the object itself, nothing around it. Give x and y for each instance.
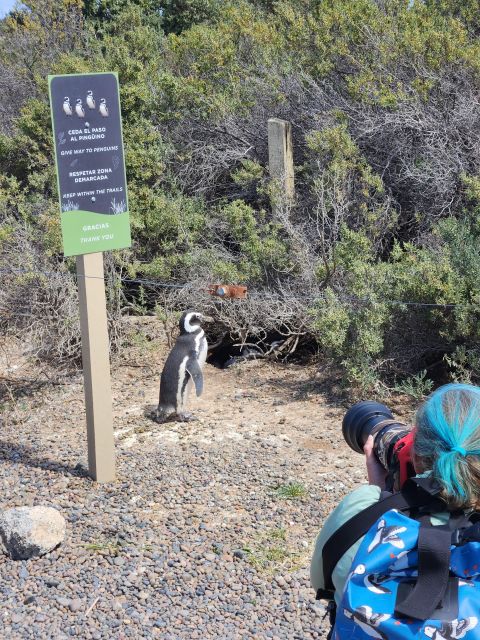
(202, 356)
(182, 393)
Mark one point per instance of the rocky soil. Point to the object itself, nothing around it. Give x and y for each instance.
(208, 530)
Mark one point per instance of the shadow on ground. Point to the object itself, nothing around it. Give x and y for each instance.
(20, 454)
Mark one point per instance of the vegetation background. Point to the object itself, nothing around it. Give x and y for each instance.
(384, 101)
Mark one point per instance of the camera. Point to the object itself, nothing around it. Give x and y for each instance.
(392, 440)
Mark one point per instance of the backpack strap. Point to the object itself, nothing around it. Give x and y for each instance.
(433, 572)
(416, 492)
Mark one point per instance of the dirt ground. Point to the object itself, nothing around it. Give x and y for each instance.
(256, 474)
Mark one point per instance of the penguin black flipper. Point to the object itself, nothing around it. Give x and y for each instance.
(196, 374)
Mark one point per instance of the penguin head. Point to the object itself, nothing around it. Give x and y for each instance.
(66, 99)
(89, 92)
(191, 320)
(79, 101)
(103, 101)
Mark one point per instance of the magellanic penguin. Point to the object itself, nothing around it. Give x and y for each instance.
(67, 107)
(183, 368)
(103, 108)
(79, 110)
(90, 100)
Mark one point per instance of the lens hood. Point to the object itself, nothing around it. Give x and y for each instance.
(360, 420)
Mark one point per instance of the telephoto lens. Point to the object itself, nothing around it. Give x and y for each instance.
(373, 418)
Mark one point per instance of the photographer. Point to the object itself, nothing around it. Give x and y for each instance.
(446, 453)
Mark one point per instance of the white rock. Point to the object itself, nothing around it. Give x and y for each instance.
(29, 532)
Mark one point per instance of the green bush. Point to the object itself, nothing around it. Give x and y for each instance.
(386, 217)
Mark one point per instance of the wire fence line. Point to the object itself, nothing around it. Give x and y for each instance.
(315, 298)
(81, 275)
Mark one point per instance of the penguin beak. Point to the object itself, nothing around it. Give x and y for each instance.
(206, 318)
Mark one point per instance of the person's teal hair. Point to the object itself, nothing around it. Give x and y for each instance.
(447, 440)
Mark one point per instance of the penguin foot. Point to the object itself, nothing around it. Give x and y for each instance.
(161, 416)
(186, 417)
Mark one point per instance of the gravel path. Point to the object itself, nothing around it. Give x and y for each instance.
(199, 536)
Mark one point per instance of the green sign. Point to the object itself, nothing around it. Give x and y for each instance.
(92, 187)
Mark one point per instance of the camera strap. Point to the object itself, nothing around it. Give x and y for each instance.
(416, 493)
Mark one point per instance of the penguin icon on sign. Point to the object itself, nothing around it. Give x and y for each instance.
(451, 630)
(90, 100)
(67, 107)
(183, 368)
(79, 110)
(103, 108)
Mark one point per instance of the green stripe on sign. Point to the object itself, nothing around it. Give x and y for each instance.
(89, 232)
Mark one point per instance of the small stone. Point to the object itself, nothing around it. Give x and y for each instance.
(160, 623)
(210, 557)
(239, 553)
(152, 578)
(52, 582)
(76, 605)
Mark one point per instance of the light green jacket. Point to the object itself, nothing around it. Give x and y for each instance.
(352, 504)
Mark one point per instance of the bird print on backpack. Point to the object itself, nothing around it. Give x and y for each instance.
(368, 620)
(454, 630)
(387, 535)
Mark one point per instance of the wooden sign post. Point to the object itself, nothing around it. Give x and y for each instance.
(280, 158)
(92, 189)
(96, 367)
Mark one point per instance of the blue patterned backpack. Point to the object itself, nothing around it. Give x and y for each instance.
(409, 579)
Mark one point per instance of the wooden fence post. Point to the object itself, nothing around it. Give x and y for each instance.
(96, 367)
(280, 157)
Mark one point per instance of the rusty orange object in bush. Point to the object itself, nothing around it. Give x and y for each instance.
(228, 290)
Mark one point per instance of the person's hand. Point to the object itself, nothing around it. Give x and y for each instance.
(375, 472)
